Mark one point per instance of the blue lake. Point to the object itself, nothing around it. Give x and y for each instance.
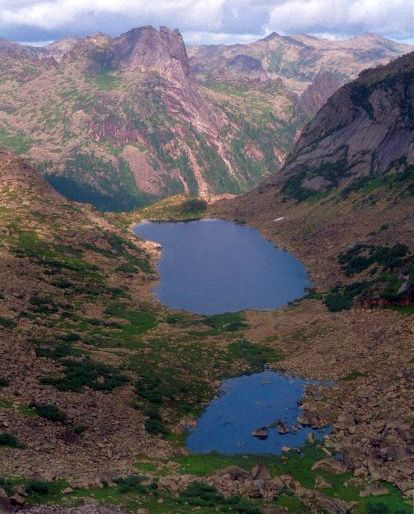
(245, 404)
(215, 266)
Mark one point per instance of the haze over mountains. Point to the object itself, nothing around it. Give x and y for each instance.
(122, 121)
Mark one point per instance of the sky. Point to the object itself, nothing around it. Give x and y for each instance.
(206, 21)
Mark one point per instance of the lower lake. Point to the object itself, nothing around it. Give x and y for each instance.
(215, 266)
(267, 400)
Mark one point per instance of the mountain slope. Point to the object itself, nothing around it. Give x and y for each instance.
(344, 204)
(122, 121)
(295, 59)
(56, 270)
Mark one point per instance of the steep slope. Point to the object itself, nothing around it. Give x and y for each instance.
(344, 204)
(311, 68)
(356, 154)
(365, 130)
(57, 269)
(324, 85)
(122, 121)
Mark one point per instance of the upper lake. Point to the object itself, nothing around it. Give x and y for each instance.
(215, 266)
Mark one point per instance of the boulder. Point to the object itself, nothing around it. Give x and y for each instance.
(374, 490)
(18, 499)
(261, 433)
(281, 427)
(234, 473)
(331, 465)
(321, 483)
(260, 472)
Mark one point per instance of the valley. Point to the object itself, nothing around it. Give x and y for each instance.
(89, 334)
(102, 386)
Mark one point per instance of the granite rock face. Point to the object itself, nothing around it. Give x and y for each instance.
(366, 128)
(147, 48)
(319, 91)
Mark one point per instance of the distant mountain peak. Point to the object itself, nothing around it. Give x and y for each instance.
(271, 36)
(146, 48)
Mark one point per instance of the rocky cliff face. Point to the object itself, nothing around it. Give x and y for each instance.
(324, 85)
(148, 49)
(247, 66)
(365, 130)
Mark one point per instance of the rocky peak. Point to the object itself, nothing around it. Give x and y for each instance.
(270, 37)
(11, 48)
(58, 49)
(146, 49)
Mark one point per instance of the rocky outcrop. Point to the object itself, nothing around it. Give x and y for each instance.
(324, 85)
(248, 66)
(365, 129)
(148, 49)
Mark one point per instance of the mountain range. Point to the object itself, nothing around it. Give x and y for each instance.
(120, 122)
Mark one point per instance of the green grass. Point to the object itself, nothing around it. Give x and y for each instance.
(50, 412)
(255, 355)
(353, 375)
(5, 404)
(28, 411)
(17, 142)
(106, 82)
(227, 88)
(204, 464)
(173, 208)
(228, 322)
(139, 321)
(407, 309)
(80, 374)
(31, 246)
(292, 503)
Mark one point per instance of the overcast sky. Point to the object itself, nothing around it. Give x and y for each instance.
(206, 21)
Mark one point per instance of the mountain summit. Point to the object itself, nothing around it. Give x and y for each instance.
(147, 48)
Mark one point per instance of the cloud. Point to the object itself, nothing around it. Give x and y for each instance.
(206, 20)
(388, 17)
